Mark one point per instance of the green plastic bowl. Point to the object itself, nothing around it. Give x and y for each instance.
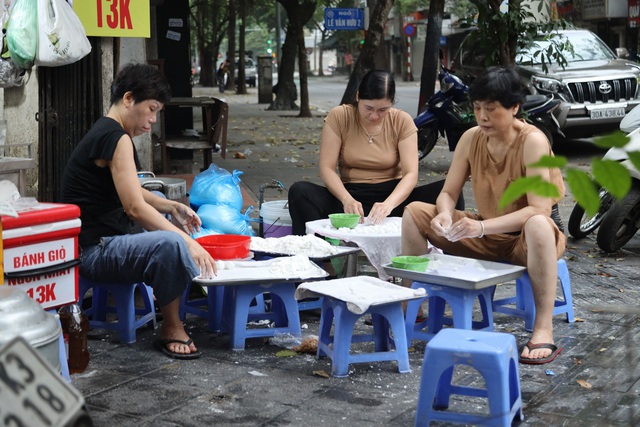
(342, 220)
(413, 263)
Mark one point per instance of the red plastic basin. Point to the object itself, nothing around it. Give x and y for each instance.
(226, 246)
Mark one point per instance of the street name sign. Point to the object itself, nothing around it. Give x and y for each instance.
(343, 19)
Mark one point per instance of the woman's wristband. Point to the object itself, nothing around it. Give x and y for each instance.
(482, 232)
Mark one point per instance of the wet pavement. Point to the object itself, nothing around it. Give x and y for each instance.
(594, 381)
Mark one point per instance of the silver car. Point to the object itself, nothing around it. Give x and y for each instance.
(250, 71)
(596, 88)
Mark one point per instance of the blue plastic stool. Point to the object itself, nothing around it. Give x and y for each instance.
(492, 354)
(62, 350)
(237, 312)
(461, 303)
(129, 318)
(386, 318)
(210, 307)
(522, 303)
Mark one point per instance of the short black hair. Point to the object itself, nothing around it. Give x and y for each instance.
(500, 84)
(143, 81)
(377, 84)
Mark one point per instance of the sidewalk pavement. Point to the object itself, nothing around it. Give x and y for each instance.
(594, 381)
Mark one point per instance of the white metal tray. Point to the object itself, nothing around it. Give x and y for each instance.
(460, 272)
(261, 272)
(342, 251)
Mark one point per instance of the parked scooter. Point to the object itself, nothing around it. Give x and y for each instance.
(618, 221)
(445, 114)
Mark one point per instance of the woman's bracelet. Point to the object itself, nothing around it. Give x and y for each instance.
(482, 232)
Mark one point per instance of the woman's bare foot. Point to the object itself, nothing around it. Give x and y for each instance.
(532, 352)
(175, 338)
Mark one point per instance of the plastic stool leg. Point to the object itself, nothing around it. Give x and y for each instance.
(62, 353)
(381, 337)
(241, 298)
(215, 298)
(436, 314)
(287, 298)
(343, 331)
(396, 324)
(99, 303)
(149, 306)
(565, 282)
(126, 311)
(324, 332)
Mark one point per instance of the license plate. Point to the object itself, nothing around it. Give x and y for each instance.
(31, 392)
(607, 113)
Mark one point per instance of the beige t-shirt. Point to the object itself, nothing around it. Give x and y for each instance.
(361, 162)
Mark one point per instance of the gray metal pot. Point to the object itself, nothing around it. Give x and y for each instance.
(20, 315)
(172, 188)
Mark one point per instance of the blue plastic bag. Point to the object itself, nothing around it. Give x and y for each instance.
(224, 219)
(202, 232)
(216, 186)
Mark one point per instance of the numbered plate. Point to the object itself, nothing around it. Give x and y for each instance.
(607, 113)
(31, 392)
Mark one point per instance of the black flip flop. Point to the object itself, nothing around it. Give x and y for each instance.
(555, 350)
(161, 346)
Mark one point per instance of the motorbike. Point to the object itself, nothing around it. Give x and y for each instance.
(617, 221)
(448, 114)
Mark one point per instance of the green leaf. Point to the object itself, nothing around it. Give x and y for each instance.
(524, 185)
(286, 353)
(613, 176)
(634, 157)
(615, 139)
(584, 190)
(549, 162)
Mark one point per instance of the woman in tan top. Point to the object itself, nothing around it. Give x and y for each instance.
(374, 148)
(493, 154)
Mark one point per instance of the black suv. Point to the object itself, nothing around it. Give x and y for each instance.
(596, 88)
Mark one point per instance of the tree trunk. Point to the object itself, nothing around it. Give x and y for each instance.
(241, 88)
(320, 50)
(210, 24)
(371, 44)
(305, 111)
(512, 42)
(231, 53)
(506, 48)
(431, 53)
(285, 89)
(286, 93)
(202, 13)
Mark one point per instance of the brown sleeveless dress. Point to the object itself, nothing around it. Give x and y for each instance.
(489, 179)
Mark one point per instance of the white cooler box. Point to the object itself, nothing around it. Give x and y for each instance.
(40, 253)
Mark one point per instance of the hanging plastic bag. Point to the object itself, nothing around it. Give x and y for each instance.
(4, 20)
(22, 33)
(216, 186)
(10, 74)
(223, 219)
(61, 36)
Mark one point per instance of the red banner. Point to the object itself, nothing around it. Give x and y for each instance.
(634, 13)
